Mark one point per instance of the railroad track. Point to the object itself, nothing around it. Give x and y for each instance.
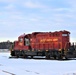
(8, 72)
(42, 58)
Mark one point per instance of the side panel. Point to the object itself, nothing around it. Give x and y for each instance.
(43, 43)
(65, 41)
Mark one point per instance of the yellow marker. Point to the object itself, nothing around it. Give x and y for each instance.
(46, 50)
(55, 39)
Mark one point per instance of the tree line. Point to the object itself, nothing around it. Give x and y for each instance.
(5, 45)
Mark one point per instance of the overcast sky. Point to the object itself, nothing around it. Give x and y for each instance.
(27, 16)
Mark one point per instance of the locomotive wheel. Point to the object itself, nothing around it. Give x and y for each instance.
(62, 57)
(31, 57)
(17, 54)
(55, 57)
(47, 55)
(24, 56)
(12, 53)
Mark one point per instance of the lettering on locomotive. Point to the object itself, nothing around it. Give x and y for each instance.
(48, 40)
(55, 39)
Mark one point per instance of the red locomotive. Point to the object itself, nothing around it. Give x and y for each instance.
(49, 44)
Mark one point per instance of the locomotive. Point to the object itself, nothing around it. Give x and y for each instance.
(49, 44)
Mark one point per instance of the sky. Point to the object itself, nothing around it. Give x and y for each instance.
(26, 16)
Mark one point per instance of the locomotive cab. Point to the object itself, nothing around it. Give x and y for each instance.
(20, 46)
(23, 40)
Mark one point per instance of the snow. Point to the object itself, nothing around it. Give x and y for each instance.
(19, 66)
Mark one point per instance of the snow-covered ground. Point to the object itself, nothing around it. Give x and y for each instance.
(20, 66)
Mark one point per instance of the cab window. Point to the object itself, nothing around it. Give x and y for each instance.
(27, 42)
(64, 34)
(20, 39)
